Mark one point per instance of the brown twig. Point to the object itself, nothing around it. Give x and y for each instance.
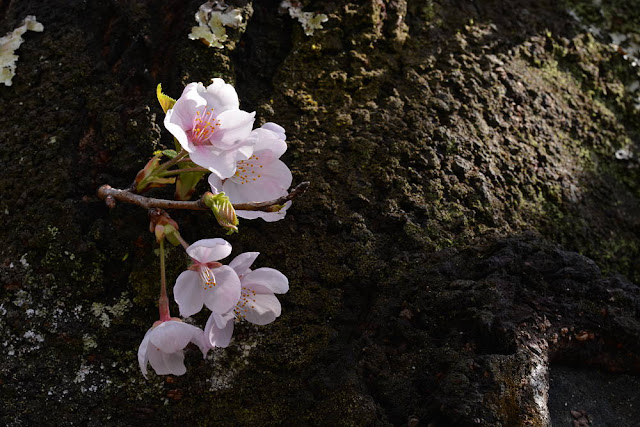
(110, 195)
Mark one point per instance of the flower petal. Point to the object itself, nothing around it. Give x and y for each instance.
(157, 361)
(173, 335)
(219, 329)
(207, 250)
(269, 278)
(242, 262)
(225, 294)
(273, 127)
(279, 173)
(143, 358)
(260, 190)
(188, 293)
(269, 140)
(235, 125)
(221, 163)
(174, 362)
(165, 364)
(177, 130)
(215, 182)
(179, 119)
(185, 108)
(221, 96)
(267, 216)
(265, 308)
(271, 182)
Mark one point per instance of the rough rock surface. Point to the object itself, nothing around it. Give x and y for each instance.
(468, 222)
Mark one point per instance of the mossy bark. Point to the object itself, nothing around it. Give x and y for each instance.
(468, 222)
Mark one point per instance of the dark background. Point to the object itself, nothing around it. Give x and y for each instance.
(468, 227)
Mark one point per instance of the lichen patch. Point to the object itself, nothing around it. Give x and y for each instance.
(10, 43)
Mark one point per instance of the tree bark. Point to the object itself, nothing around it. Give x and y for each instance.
(468, 224)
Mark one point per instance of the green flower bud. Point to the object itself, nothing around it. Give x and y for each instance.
(223, 210)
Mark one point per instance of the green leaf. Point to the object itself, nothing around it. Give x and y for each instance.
(166, 102)
(170, 153)
(186, 182)
(145, 180)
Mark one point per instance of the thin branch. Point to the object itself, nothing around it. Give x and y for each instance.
(264, 206)
(110, 195)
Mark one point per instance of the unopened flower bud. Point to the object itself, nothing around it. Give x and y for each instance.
(159, 232)
(145, 179)
(171, 234)
(223, 210)
(163, 226)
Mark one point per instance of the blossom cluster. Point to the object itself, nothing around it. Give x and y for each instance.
(214, 135)
(244, 162)
(231, 292)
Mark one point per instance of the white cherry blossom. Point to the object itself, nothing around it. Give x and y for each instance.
(163, 346)
(207, 282)
(261, 177)
(208, 123)
(257, 303)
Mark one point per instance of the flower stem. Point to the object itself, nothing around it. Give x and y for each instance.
(183, 242)
(163, 301)
(163, 167)
(179, 171)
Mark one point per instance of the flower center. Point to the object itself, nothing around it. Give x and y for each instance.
(204, 124)
(247, 171)
(247, 302)
(207, 277)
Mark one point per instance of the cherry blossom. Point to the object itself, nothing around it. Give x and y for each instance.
(163, 346)
(261, 177)
(209, 125)
(207, 282)
(257, 303)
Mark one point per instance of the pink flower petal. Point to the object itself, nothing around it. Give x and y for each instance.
(269, 278)
(275, 128)
(235, 125)
(184, 110)
(267, 140)
(172, 336)
(157, 361)
(143, 359)
(242, 262)
(174, 362)
(215, 182)
(225, 294)
(179, 119)
(219, 329)
(264, 309)
(260, 190)
(188, 293)
(207, 250)
(279, 173)
(271, 182)
(165, 364)
(221, 96)
(177, 130)
(267, 216)
(222, 164)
